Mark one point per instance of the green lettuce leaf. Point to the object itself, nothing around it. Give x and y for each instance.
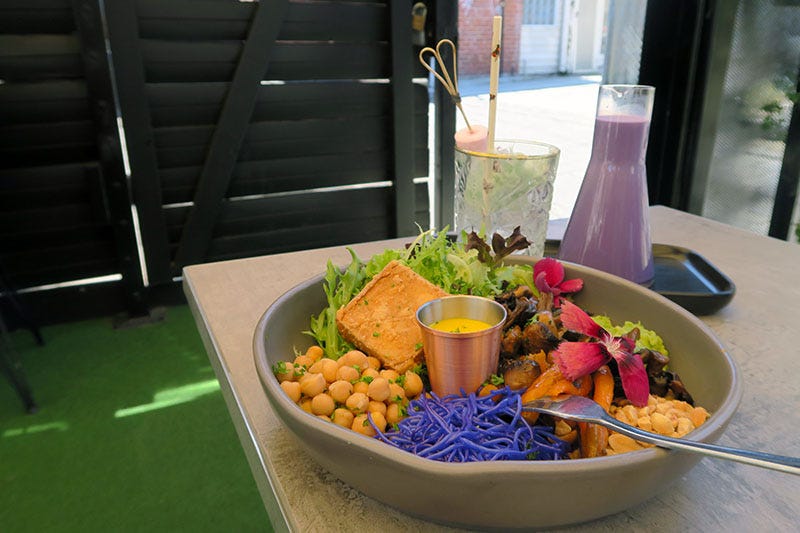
(647, 337)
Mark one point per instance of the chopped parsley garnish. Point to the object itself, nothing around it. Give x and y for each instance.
(279, 368)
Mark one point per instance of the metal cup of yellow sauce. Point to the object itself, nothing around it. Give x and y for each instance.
(461, 340)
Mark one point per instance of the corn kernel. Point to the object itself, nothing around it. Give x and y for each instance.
(662, 424)
(630, 412)
(562, 428)
(621, 443)
(684, 426)
(698, 416)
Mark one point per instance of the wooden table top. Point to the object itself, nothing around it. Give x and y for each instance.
(760, 328)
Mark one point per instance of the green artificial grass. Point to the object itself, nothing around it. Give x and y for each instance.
(132, 434)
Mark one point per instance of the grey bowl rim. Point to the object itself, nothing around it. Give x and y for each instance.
(572, 467)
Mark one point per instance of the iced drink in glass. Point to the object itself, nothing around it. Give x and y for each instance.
(512, 186)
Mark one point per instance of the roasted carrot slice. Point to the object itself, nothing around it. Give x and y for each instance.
(552, 382)
(541, 359)
(594, 438)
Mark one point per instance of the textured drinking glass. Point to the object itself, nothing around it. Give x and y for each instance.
(609, 227)
(512, 187)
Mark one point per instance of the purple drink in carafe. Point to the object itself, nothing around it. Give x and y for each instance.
(609, 228)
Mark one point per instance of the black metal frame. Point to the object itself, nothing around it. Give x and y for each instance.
(444, 26)
(685, 51)
(789, 179)
(673, 60)
(719, 46)
(129, 83)
(112, 179)
(403, 121)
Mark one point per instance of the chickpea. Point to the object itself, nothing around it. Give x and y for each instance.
(292, 390)
(361, 386)
(412, 385)
(316, 368)
(312, 384)
(322, 404)
(303, 360)
(353, 358)
(378, 389)
(343, 417)
(374, 363)
(379, 420)
(284, 371)
(376, 407)
(361, 425)
(397, 393)
(394, 413)
(299, 372)
(326, 367)
(315, 352)
(370, 373)
(329, 369)
(390, 374)
(340, 390)
(357, 402)
(347, 373)
(305, 404)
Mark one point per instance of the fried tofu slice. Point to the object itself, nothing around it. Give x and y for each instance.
(381, 319)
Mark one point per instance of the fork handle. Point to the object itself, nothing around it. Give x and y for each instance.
(782, 463)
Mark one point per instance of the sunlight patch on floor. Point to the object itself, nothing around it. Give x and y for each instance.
(170, 397)
(36, 428)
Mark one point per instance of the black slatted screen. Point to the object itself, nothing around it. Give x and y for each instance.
(323, 118)
(251, 128)
(54, 225)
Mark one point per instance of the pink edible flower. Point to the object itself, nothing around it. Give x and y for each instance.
(578, 359)
(548, 275)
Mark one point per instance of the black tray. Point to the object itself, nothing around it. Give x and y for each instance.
(683, 276)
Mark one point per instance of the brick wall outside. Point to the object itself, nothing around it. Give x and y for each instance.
(475, 35)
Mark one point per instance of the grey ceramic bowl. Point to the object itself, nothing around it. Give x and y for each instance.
(510, 494)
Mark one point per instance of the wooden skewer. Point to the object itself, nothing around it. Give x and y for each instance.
(450, 84)
(494, 78)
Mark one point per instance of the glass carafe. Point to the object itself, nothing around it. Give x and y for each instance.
(609, 227)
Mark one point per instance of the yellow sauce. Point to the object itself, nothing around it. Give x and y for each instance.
(460, 325)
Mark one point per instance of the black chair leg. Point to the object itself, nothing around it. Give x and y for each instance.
(16, 306)
(11, 366)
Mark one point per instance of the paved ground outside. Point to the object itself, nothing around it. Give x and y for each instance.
(558, 110)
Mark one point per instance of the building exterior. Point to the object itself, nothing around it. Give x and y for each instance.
(539, 36)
